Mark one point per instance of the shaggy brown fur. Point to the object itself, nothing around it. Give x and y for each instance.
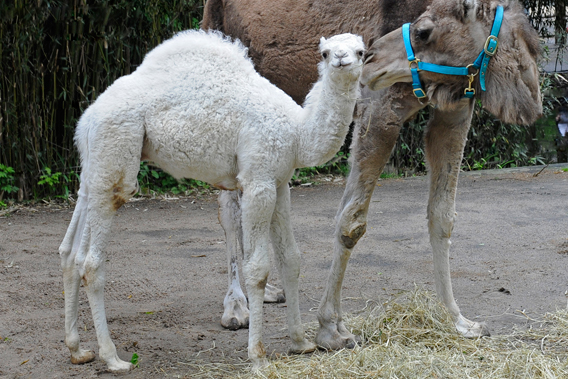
(282, 36)
(512, 78)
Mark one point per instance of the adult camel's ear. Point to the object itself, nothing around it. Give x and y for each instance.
(468, 9)
(512, 80)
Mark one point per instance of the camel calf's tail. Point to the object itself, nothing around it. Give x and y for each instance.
(70, 247)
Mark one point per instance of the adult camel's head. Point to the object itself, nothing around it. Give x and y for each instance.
(453, 33)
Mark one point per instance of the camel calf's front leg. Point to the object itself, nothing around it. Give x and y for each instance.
(257, 205)
(288, 259)
(445, 141)
(236, 312)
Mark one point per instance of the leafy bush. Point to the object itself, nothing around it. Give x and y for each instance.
(6, 182)
(154, 179)
(57, 56)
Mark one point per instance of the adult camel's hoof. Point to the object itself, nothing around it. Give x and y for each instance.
(471, 329)
(335, 337)
(274, 294)
(83, 356)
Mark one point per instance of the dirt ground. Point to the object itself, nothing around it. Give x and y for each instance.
(167, 274)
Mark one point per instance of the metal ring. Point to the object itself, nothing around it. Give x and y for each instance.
(468, 67)
(414, 61)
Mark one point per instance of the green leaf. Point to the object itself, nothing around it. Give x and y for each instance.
(134, 359)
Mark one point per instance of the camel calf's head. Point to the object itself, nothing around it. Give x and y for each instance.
(453, 33)
(342, 57)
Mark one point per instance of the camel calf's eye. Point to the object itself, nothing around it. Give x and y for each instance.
(324, 54)
(360, 53)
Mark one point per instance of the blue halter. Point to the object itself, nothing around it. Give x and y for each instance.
(480, 63)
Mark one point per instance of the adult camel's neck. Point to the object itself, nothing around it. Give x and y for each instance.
(326, 116)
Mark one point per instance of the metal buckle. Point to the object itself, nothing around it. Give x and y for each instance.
(419, 93)
(414, 61)
(491, 43)
(469, 92)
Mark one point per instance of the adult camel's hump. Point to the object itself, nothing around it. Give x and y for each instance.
(283, 35)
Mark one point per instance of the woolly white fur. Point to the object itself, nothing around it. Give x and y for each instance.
(197, 108)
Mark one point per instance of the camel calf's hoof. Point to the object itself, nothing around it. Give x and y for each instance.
(274, 294)
(471, 329)
(83, 356)
(236, 315)
(258, 364)
(303, 347)
(234, 324)
(122, 367)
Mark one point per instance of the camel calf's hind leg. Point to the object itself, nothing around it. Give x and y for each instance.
(444, 142)
(94, 278)
(236, 314)
(68, 250)
(104, 188)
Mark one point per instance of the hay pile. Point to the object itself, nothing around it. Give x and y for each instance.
(413, 337)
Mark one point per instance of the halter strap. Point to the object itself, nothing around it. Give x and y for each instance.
(480, 63)
(490, 47)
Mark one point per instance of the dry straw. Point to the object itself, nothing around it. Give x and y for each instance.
(412, 336)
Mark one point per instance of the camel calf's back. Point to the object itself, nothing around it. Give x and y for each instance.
(192, 107)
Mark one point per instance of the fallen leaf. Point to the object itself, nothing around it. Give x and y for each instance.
(198, 256)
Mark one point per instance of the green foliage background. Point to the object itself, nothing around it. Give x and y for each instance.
(58, 56)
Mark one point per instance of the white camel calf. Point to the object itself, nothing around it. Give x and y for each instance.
(197, 108)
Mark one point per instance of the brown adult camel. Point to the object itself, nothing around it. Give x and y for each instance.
(280, 34)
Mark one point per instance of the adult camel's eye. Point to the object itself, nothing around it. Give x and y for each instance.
(423, 34)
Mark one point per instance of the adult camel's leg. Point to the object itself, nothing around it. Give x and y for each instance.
(445, 139)
(287, 258)
(378, 121)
